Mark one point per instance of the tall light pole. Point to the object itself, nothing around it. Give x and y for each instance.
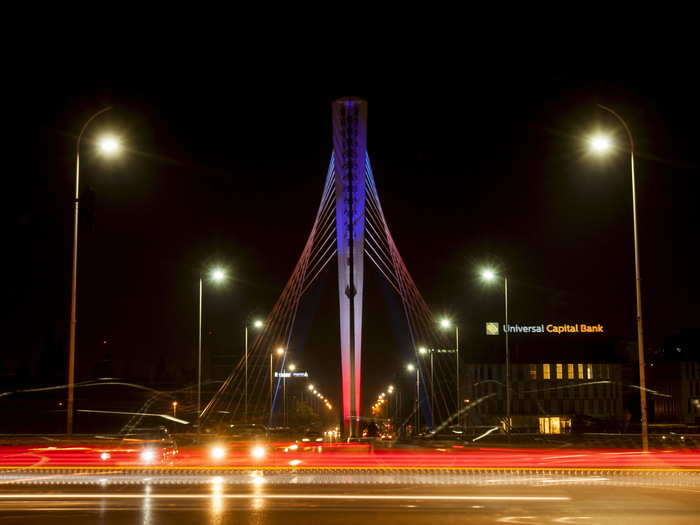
(216, 275)
(256, 324)
(489, 275)
(445, 324)
(279, 352)
(411, 367)
(424, 351)
(602, 144)
(291, 368)
(109, 146)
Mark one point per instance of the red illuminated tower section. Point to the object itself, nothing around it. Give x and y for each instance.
(350, 152)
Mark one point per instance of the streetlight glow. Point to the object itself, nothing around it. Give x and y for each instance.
(422, 350)
(310, 387)
(410, 367)
(109, 145)
(488, 275)
(445, 323)
(292, 367)
(217, 275)
(258, 323)
(280, 351)
(600, 143)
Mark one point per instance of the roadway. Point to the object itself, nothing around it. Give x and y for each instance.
(587, 502)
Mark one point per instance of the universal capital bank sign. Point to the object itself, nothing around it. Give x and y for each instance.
(551, 328)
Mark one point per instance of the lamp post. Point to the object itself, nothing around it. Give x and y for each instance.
(216, 275)
(445, 324)
(411, 367)
(256, 324)
(174, 408)
(424, 351)
(602, 144)
(489, 275)
(291, 368)
(107, 146)
(279, 352)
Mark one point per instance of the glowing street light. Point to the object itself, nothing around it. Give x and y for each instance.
(600, 145)
(174, 408)
(109, 145)
(446, 324)
(292, 367)
(411, 367)
(310, 387)
(257, 324)
(279, 352)
(216, 275)
(110, 151)
(489, 275)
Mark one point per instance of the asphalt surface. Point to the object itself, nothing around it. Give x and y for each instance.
(589, 500)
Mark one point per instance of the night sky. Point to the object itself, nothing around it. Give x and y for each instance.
(224, 167)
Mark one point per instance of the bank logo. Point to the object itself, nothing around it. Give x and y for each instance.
(492, 329)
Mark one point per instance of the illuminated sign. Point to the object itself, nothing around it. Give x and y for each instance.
(551, 328)
(291, 374)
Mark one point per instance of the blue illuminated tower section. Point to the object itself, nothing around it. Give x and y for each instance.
(350, 151)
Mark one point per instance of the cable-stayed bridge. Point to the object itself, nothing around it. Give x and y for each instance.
(350, 227)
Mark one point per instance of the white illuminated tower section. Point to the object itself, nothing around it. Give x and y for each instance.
(350, 150)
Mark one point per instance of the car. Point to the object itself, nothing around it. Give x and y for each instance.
(247, 432)
(312, 436)
(155, 444)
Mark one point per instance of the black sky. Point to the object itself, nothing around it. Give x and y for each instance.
(477, 165)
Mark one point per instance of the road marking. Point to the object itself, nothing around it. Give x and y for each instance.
(379, 497)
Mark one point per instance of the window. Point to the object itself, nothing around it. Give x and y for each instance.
(560, 371)
(580, 371)
(533, 371)
(555, 425)
(545, 371)
(570, 371)
(589, 371)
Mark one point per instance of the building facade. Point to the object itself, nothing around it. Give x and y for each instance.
(554, 397)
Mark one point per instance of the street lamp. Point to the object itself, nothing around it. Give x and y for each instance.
(601, 144)
(174, 408)
(107, 151)
(411, 367)
(279, 352)
(489, 275)
(256, 324)
(424, 351)
(291, 368)
(216, 275)
(445, 324)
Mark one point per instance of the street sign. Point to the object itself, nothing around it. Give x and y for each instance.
(291, 374)
(442, 350)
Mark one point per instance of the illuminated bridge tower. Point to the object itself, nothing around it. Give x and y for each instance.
(350, 152)
(350, 227)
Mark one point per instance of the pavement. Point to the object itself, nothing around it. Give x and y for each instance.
(591, 501)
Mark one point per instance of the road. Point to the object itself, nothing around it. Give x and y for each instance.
(589, 500)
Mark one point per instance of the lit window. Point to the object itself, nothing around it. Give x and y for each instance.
(560, 371)
(545, 371)
(533, 371)
(580, 371)
(570, 371)
(589, 371)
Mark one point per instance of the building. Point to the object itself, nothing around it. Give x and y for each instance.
(552, 397)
